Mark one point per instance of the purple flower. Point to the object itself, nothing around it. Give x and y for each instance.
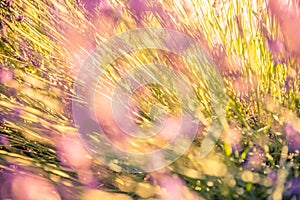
(275, 46)
(272, 175)
(173, 188)
(287, 13)
(33, 187)
(255, 158)
(277, 50)
(292, 136)
(4, 140)
(293, 188)
(92, 5)
(5, 76)
(288, 83)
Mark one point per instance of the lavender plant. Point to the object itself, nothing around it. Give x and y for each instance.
(255, 47)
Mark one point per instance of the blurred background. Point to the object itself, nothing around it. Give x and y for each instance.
(255, 47)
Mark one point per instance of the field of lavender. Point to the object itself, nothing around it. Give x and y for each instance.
(253, 47)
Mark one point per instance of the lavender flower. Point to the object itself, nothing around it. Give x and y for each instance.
(292, 136)
(287, 14)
